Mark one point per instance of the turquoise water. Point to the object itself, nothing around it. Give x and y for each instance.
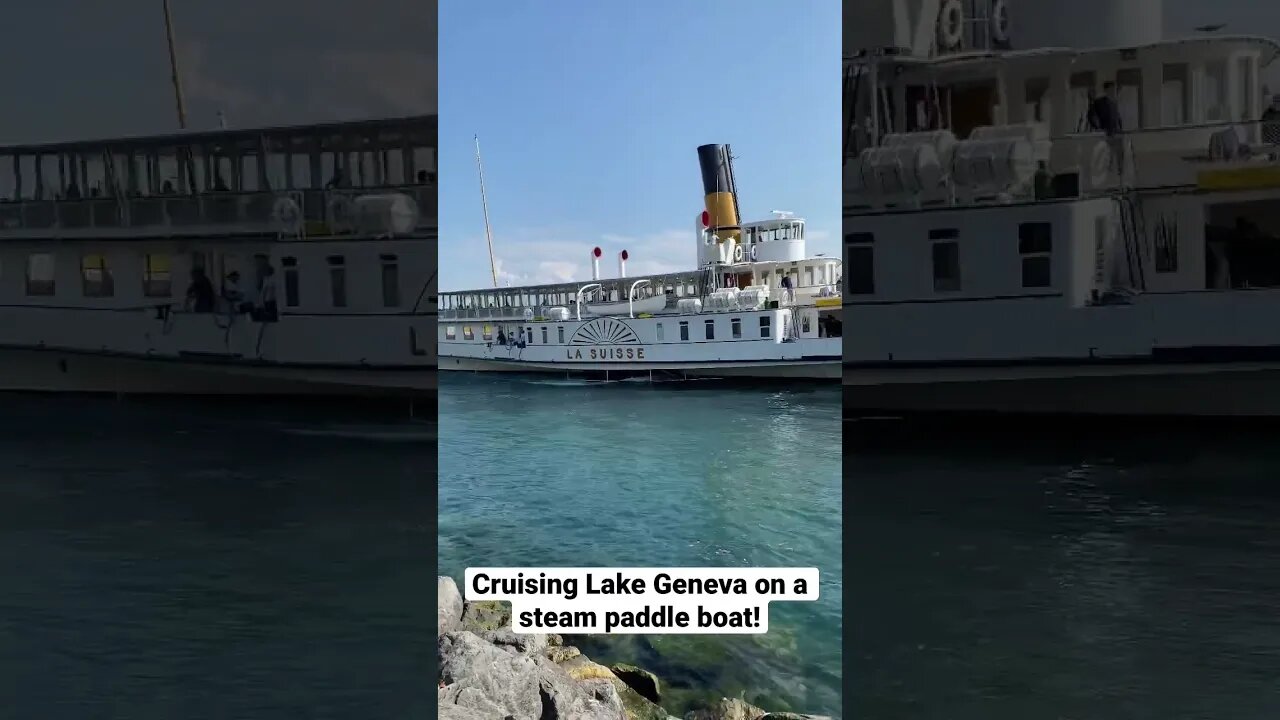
(547, 473)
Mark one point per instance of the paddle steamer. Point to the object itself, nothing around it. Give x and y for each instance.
(754, 306)
(1011, 250)
(277, 261)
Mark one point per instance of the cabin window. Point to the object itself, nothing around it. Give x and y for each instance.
(859, 256)
(450, 332)
(1035, 244)
(735, 326)
(487, 332)
(711, 329)
(1129, 98)
(805, 323)
(560, 335)
(391, 281)
(337, 281)
(808, 276)
(157, 280)
(290, 281)
(96, 276)
(765, 329)
(660, 332)
(946, 261)
(684, 330)
(544, 334)
(1038, 108)
(468, 333)
(40, 274)
(1213, 92)
(1175, 96)
(528, 333)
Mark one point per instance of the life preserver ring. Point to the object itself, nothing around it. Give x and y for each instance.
(753, 253)
(951, 23)
(286, 213)
(737, 253)
(1000, 22)
(339, 208)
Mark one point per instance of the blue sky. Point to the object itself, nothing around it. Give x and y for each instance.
(589, 115)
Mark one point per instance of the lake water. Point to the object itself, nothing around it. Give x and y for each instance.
(239, 562)
(548, 473)
(1126, 574)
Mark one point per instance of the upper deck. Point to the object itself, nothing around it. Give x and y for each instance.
(1189, 110)
(293, 181)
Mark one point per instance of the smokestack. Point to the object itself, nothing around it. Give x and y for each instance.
(721, 194)
(622, 264)
(595, 264)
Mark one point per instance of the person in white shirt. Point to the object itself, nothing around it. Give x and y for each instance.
(268, 309)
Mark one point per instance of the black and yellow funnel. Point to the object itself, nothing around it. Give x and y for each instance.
(721, 193)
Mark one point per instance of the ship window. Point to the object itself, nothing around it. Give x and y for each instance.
(1175, 95)
(560, 335)
(468, 333)
(808, 276)
(528, 333)
(290, 281)
(390, 281)
(156, 278)
(659, 332)
(337, 281)
(96, 276)
(450, 333)
(946, 266)
(711, 329)
(765, 330)
(40, 274)
(805, 323)
(736, 326)
(684, 330)
(487, 332)
(544, 334)
(860, 256)
(1035, 244)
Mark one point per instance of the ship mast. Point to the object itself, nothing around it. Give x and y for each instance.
(173, 67)
(493, 266)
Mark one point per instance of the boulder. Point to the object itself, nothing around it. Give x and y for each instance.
(448, 605)
(727, 709)
(525, 644)
(640, 680)
(559, 654)
(481, 677)
(484, 615)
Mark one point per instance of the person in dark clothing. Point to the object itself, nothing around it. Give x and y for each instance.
(200, 292)
(1104, 116)
(502, 337)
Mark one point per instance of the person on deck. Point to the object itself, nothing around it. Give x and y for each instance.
(232, 294)
(200, 292)
(267, 310)
(1104, 116)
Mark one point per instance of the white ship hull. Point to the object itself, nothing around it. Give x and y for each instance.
(798, 369)
(1230, 389)
(53, 371)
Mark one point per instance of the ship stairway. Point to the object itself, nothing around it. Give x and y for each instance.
(1133, 234)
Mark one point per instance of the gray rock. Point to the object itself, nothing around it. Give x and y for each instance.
(448, 605)
(727, 709)
(525, 644)
(559, 654)
(480, 676)
(486, 615)
(642, 681)
(458, 712)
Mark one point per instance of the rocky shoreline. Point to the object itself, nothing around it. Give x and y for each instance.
(488, 672)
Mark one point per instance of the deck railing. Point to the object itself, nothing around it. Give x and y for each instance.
(231, 211)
